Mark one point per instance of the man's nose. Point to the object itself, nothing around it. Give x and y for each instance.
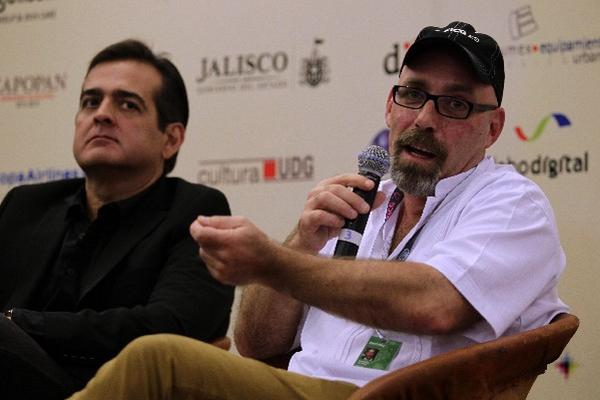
(105, 112)
(427, 116)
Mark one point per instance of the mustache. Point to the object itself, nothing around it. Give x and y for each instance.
(422, 139)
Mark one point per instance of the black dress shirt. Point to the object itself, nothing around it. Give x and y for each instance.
(83, 241)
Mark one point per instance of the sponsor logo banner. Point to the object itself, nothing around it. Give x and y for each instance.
(550, 165)
(38, 175)
(21, 11)
(30, 90)
(522, 23)
(393, 60)
(314, 69)
(243, 171)
(261, 71)
(581, 50)
(562, 121)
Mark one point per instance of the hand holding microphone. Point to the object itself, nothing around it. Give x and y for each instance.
(330, 206)
(373, 163)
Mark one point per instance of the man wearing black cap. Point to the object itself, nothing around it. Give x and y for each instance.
(445, 261)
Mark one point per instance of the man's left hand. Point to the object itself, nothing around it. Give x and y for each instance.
(235, 251)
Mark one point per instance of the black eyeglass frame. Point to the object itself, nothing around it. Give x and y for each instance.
(428, 96)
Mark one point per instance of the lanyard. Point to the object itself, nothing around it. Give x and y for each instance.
(403, 255)
(395, 200)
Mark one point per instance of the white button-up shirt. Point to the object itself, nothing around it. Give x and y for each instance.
(491, 232)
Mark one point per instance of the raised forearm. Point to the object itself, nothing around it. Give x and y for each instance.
(411, 297)
(403, 296)
(267, 322)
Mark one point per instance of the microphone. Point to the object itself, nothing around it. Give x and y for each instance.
(373, 163)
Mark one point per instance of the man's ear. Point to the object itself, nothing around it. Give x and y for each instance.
(496, 126)
(174, 137)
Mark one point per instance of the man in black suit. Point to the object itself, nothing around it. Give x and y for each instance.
(90, 264)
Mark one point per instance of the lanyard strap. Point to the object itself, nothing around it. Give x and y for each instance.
(403, 255)
(395, 200)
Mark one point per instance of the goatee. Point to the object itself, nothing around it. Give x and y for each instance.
(413, 178)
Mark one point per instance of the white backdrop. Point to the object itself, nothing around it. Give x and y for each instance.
(261, 133)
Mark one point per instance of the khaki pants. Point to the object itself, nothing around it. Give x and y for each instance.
(175, 367)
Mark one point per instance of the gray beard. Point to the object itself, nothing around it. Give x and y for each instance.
(409, 177)
(413, 180)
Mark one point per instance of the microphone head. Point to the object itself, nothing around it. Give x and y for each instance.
(374, 159)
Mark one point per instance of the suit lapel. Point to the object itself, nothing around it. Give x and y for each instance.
(46, 238)
(132, 229)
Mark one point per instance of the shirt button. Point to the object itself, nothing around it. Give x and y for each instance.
(70, 272)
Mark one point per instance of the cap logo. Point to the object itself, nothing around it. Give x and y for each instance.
(462, 32)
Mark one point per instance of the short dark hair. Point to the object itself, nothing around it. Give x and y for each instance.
(171, 99)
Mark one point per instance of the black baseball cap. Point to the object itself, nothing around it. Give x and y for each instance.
(481, 51)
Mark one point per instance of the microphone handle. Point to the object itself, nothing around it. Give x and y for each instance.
(351, 234)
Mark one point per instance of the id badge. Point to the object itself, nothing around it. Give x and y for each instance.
(378, 353)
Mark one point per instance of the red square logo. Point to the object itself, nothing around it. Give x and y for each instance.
(269, 170)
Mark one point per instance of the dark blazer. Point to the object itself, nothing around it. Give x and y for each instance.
(148, 279)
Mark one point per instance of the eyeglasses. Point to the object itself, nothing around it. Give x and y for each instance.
(448, 106)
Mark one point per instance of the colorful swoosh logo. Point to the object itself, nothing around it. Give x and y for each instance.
(561, 120)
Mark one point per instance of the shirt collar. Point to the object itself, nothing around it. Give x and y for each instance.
(442, 188)
(77, 202)
(446, 185)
